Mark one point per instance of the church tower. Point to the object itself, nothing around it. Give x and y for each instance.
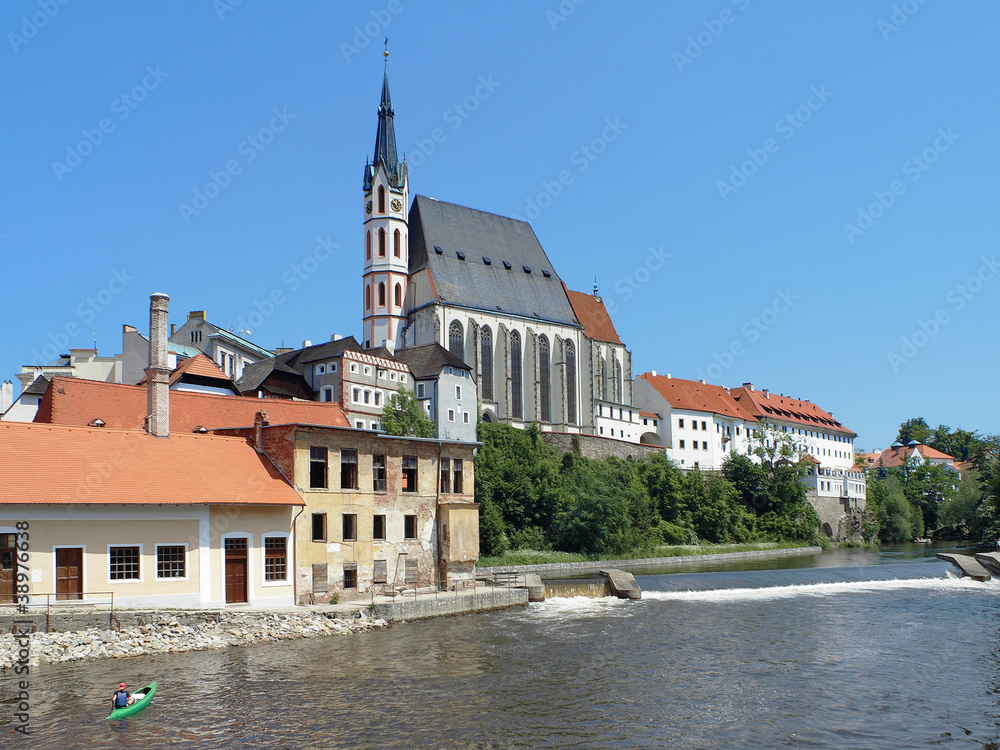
(386, 202)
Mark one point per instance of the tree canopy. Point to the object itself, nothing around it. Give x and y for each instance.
(403, 415)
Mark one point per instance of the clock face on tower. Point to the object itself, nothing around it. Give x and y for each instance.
(396, 205)
(368, 208)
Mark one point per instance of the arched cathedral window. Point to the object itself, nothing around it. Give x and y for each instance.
(368, 296)
(602, 381)
(381, 243)
(544, 381)
(381, 294)
(456, 342)
(487, 360)
(516, 404)
(368, 245)
(381, 199)
(570, 383)
(395, 243)
(618, 396)
(398, 296)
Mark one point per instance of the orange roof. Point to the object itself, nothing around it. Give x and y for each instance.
(650, 414)
(697, 396)
(43, 463)
(787, 409)
(199, 365)
(74, 401)
(592, 313)
(891, 457)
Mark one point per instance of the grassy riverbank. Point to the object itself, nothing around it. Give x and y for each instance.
(544, 557)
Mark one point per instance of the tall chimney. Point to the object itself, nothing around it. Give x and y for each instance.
(158, 372)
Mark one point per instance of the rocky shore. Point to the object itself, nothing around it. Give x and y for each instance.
(165, 634)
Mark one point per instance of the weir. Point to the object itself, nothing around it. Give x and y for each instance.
(970, 566)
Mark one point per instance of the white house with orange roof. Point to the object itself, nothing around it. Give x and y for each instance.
(700, 424)
(899, 454)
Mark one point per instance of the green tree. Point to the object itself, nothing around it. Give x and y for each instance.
(899, 520)
(403, 415)
(914, 429)
(926, 486)
(961, 510)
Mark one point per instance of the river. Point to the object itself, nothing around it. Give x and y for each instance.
(849, 649)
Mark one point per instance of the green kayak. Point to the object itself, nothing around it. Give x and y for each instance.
(143, 698)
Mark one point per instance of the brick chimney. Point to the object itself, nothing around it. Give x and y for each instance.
(260, 421)
(158, 372)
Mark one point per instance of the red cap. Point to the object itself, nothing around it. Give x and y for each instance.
(122, 686)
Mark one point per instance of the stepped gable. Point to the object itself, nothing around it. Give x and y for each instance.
(771, 406)
(72, 401)
(695, 395)
(594, 317)
(45, 464)
(486, 262)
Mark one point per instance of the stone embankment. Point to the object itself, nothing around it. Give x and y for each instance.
(166, 634)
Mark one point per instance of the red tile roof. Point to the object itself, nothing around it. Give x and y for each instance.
(697, 396)
(787, 409)
(199, 365)
(74, 401)
(892, 457)
(592, 313)
(42, 463)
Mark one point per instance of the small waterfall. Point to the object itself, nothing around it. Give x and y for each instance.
(594, 588)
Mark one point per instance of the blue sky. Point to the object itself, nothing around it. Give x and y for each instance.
(800, 195)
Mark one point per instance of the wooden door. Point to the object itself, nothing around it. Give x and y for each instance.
(69, 573)
(8, 568)
(236, 571)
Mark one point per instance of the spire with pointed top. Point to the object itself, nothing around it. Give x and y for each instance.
(385, 137)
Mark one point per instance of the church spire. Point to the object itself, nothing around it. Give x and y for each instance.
(385, 137)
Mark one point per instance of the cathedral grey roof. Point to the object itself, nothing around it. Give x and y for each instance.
(426, 361)
(485, 261)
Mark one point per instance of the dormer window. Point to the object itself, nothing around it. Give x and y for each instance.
(506, 265)
(487, 261)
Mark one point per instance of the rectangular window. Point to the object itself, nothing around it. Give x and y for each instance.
(320, 369)
(680, 423)
(410, 527)
(402, 378)
(124, 562)
(392, 376)
(354, 367)
(378, 473)
(275, 559)
(356, 395)
(350, 527)
(378, 527)
(332, 367)
(420, 390)
(682, 443)
(350, 575)
(451, 415)
(170, 561)
(456, 485)
(326, 394)
(465, 417)
(458, 392)
(445, 475)
(319, 527)
(704, 427)
(317, 467)
(378, 398)
(409, 473)
(704, 446)
(348, 470)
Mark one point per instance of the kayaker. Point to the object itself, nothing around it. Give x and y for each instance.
(122, 698)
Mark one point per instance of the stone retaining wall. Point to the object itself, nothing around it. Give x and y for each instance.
(647, 562)
(597, 447)
(175, 632)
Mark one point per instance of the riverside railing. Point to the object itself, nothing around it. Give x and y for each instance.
(55, 602)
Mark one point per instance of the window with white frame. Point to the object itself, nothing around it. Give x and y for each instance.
(275, 558)
(320, 369)
(354, 367)
(368, 370)
(451, 415)
(402, 378)
(326, 394)
(171, 561)
(332, 367)
(123, 563)
(458, 392)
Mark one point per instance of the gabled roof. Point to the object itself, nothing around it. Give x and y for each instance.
(43, 463)
(319, 352)
(38, 386)
(774, 407)
(256, 373)
(486, 262)
(897, 456)
(592, 313)
(199, 369)
(694, 395)
(71, 401)
(426, 361)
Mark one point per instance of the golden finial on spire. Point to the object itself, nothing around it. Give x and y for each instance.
(386, 53)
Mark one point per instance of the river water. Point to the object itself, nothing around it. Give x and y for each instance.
(849, 649)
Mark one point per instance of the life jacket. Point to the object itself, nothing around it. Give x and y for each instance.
(121, 699)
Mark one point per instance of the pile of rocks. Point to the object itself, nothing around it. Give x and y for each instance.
(167, 635)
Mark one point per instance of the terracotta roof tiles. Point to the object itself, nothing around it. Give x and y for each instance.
(697, 396)
(592, 313)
